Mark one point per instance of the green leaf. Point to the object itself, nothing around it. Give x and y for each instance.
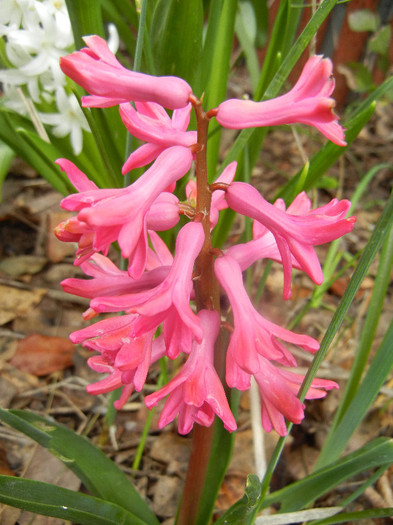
(86, 19)
(58, 502)
(363, 20)
(376, 375)
(242, 509)
(261, 16)
(176, 37)
(370, 325)
(9, 123)
(101, 476)
(380, 41)
(123, 14)
(216, 59)
(6, 157)
(302, 493)
(245, 33)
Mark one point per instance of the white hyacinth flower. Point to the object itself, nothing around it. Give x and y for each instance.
(69, 120)
(36, 34)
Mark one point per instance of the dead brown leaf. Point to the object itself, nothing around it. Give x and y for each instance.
(22, 264)
(15, 302)
(5, 469)
(41, 355)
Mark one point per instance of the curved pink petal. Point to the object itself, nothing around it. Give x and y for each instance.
(98, 71)
(307, 103)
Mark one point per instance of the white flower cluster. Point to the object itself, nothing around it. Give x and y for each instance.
(36, 34)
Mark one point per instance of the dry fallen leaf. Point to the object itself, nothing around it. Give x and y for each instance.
(5, 469)
(41, 355)
(15, 302)
(22, 264)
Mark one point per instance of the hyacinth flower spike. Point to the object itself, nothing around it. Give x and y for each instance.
(150, 123)
(121, 214)
(98, 71)
(196, 393)
(253, 335)
(295, 235)
(308, 102)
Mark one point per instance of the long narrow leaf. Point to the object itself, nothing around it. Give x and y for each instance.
(100, 475)
(302, 493)
(216, 87)
(6, 157)
(29, 154)
(58, 502)
(376, 375)
(369, 328)
(86, 19)
(176, 37)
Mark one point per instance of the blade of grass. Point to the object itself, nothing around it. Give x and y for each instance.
(216, 85)
(361, 402)
(6, 157)
(301, 494)
(102, 477)
(374, 310)
(30, 154)
(58, 502)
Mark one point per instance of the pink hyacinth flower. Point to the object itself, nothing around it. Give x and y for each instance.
(159, 254)
(121, 214)
(123, 356)
(196, 393)
(263, 245)
(253, 335)
(169, 301)
(150, 123)
(308, 102)
(108, 279)
(98, 71)
(278, 389)
(295, 235)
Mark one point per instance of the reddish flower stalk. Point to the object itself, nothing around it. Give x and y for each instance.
(206, 297)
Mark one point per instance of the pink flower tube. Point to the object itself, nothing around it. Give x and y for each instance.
(196, 393)
(308, 102)
(278, 389)
(108, 279)
(295, 235)
(121, 214)
(152, 124)
(253, 335)
(168, 301)
(98, 71)
(123, 356)
(263, 245)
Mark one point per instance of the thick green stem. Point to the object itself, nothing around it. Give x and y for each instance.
(206, 297)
